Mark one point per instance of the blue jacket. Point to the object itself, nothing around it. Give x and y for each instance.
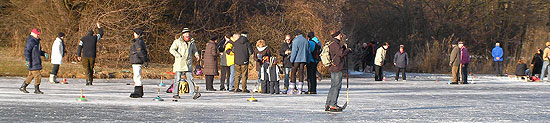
(33, 52)
(497, 52)
(312, 43)
(300, 50)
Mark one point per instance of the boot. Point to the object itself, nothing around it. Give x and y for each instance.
(300, 86)
(88, 82)
(138, 92)
(52, 79)
(197, 95)
(37, 90)
(23, 88)
(291, 87)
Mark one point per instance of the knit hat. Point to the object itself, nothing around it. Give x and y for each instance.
(454, 42)
(310, 35)
(138, 31)
(213, 38)
(297, 32)
(335, 34)
(60, 34)
(460, 42)
(185, 30)
(35, 31)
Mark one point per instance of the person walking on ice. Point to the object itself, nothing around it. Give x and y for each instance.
(337, 54)
(184, 49)
(86, 52)
(58, 52)
(32, 53)
(400, 61)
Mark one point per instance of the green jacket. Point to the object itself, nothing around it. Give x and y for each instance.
(183, 53)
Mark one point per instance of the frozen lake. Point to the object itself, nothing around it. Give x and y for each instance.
(420, 99)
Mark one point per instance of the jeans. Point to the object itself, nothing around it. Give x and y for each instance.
(231, 77)
(402, 70)
(544, 70)
(311, 77)
(287, 77)
(189, 79)
(137, 74)
(498, 67)
(464, 72)
(55, 69)
(334, 91)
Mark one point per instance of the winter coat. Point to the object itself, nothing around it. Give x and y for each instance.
(286, 58)
(401, 59)
(242, 49)
(537, 63)
(337, 53)
(229, 54)
(546, 54)
(300, 50)
(520, 69)
(211, 59)
(183, 53)
(455, 57)
(312, 43)
(464, 55)
(380, 56)
(370, 52)
(259, 53)
(58, 51)
(88, 44)
(497, 52)
(33, 52)
(138, 52)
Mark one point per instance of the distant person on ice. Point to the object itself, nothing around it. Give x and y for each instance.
(262, 51)
(379, 61)
(464, 61)
(32, 53)
(86, 52)
(315, 52)
(211, 63)
(284, 52)
(184, 50)
(242, 50)
(536, 64)
(400, 61)
(497, 54)
(454, 62)
(521, 68)
(58, 52)
(338, 52)
(138, 58)
(299, 57)
(546, 63)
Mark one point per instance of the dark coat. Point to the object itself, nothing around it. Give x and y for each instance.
(537, 64)
(520, 69)
(88, 44)
(242, 49)
(33, 52)
(401, 59)
(138, 52)
(286, 58)
(337, 53)
(211, 59)
(370, 52)
(258, 55)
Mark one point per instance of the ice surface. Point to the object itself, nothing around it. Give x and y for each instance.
(420, 99)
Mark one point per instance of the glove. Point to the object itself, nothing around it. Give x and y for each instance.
(145, 64)
(27, 64)
(47, 56)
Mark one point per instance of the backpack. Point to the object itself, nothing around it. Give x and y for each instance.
(325, 55)
(316, 51)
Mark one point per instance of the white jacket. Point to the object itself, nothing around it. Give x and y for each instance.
(57, 52)
(380, 56)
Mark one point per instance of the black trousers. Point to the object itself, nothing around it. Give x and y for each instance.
(378, 73)
(209, 82)
(224, 77)
(464, 73)
(403, 72)
(297, 69)
(311, 78)
(55, 69)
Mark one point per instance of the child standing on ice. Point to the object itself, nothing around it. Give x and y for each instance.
(270, 76)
